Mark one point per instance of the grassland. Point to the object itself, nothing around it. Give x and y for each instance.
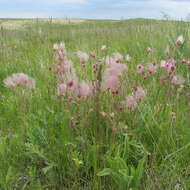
(48, 144)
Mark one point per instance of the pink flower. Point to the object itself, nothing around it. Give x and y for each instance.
(152, 68)
(83, 90)
(9, 83)
(149, 50)
(61, 89)
(59, 69)
(69, 99)
(70, 83)
(116, 69)
(180, 40)
(60, 50)
(83, 56)
(117, 57)
(19, 79)
(140, 69)
(93, 54)
(111, 82)
(131, 101)
(169, 66)
(139, 93)
(177, 80)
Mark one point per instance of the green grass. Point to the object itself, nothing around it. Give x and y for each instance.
(48, 145)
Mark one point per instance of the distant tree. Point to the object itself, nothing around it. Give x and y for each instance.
(166, 16)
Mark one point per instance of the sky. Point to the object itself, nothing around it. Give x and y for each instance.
(95, 9)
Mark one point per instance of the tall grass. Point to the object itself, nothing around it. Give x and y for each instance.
(48, 144)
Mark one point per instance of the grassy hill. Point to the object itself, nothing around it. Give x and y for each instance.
(101, 140)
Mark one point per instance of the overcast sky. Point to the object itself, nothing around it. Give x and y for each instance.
(99, 9)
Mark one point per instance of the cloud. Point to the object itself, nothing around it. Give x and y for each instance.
(101, 9)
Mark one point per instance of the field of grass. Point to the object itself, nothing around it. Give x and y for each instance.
(100, 141)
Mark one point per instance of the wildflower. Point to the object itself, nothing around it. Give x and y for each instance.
(149, 50)
(83, 90)
(61, 89)
(19, 79)
(59, 69)
(9, 83)
(117, 57)
(185, 61)
(69, 99)
(177, 80)
(152, 68)
(128, 58)
(180, 40)
(103, 48)
(93, 54)
(116, 69)
(139, 93)
(131, 101)
(111, 82)
(70, 83)
(60, 46)
(83, 56)
(169, 66)
(95, 68)
(60, 51)
(140, 69)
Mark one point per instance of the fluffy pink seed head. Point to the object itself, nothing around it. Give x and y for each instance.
(111, 82)
(9, 83)
(149, 50)
(169, 66)
(140, 69)
(180, 40)
(117, 57)
(61, 89)
(69, 99)
(152, 68)
(60, 51)
(83, 90)
(83, 56)
(17, 80)
(20, 78)
(59, 69)
(116, 69)
(139, 93)
(131, 102)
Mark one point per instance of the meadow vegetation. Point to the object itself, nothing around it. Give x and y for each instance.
(95, 105)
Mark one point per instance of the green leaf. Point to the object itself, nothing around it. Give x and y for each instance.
(104, 172)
